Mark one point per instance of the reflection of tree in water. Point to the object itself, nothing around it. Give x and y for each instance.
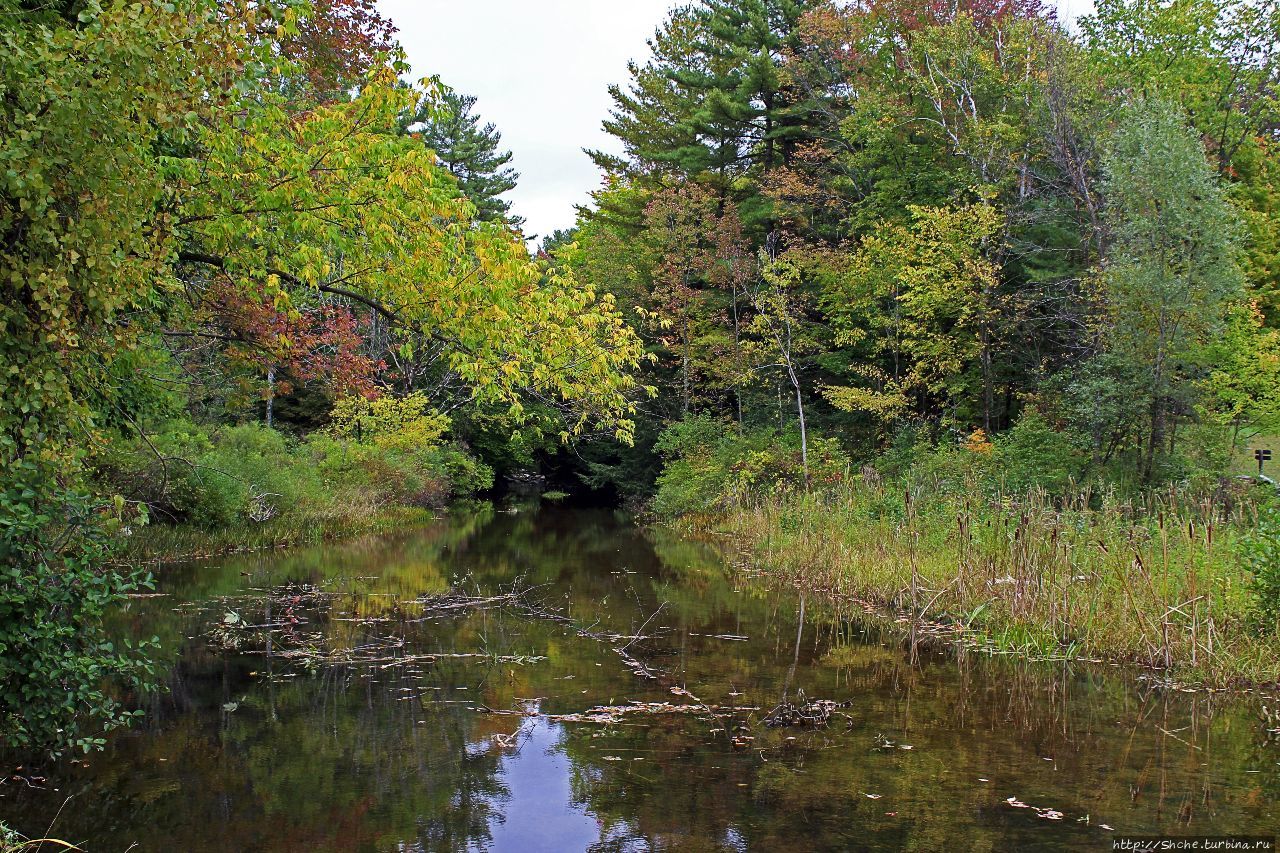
(325, 763)
(339, 759)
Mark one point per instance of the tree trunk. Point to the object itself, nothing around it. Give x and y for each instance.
(988, 391)
(737, 359)
(1155, 439)
(684, 378)
(1159, 405)
(804, 432)
(271, 396)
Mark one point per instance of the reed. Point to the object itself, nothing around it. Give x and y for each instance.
(1153, 581)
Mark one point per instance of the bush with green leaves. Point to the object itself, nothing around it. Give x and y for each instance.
(1033, 454)
(1260, 553)
(247, 474)
(57, 581)
(710, 466)
(213, 479)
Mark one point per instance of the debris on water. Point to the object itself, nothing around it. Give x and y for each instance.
(610, 714)
(813, 713)
(1044, 812)
(885, 744)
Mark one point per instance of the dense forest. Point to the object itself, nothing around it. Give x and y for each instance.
(858, 226)
(872, 263)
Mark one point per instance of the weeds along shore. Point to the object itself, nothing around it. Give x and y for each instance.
(1163, 583)
(170, 543)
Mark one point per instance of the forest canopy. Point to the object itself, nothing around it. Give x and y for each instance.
(889, 223)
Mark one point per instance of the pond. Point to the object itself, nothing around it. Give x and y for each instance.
(564, 680)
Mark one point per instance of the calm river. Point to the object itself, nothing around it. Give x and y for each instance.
(314, 703)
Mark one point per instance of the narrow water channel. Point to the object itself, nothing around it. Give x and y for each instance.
(312, 703)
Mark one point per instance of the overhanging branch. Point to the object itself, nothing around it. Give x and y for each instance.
(220, 264)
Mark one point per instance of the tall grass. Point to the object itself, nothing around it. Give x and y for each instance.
(1153, 581)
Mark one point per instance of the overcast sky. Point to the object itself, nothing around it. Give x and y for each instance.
(539, 69)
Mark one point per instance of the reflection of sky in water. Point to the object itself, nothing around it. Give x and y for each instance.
(538, 814)
(374, 757)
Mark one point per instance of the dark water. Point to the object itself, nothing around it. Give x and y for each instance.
(250, 751)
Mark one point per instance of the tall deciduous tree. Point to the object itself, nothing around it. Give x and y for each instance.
(337, 201)
(95, 96)
(921, 299)
(1170, 273)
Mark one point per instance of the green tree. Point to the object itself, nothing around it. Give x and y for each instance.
(1219, 60)
(922, 300)
(382, 226)
(713, 104)
(1170, 273)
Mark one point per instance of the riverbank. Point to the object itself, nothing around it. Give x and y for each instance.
(249, 488)
(168, 543)
(1159, 586)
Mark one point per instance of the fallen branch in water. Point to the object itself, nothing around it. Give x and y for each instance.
(612, 640)
(609, 714)
(815, 713)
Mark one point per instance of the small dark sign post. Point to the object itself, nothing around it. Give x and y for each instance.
(1262, 456)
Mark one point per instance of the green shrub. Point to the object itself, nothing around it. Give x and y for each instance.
(951, 470)
(374, 473)
(1260, 552)
(57, 581)
(910, 443)
(693, 476)
(1034, 454)
(710, 466)
(248, 474)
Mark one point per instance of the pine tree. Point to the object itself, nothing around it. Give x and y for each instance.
(713, 104)
(469, 151)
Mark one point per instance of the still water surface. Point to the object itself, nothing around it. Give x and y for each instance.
(279, 751)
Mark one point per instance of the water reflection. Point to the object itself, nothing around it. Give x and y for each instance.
(250, 751)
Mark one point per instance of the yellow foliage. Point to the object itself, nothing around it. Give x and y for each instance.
(395, 423)
(979, 443)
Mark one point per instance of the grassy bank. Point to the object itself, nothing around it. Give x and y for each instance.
(243, 488)
(182, 542)
(1160, 583)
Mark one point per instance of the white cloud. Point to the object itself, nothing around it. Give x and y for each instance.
(540, 72)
